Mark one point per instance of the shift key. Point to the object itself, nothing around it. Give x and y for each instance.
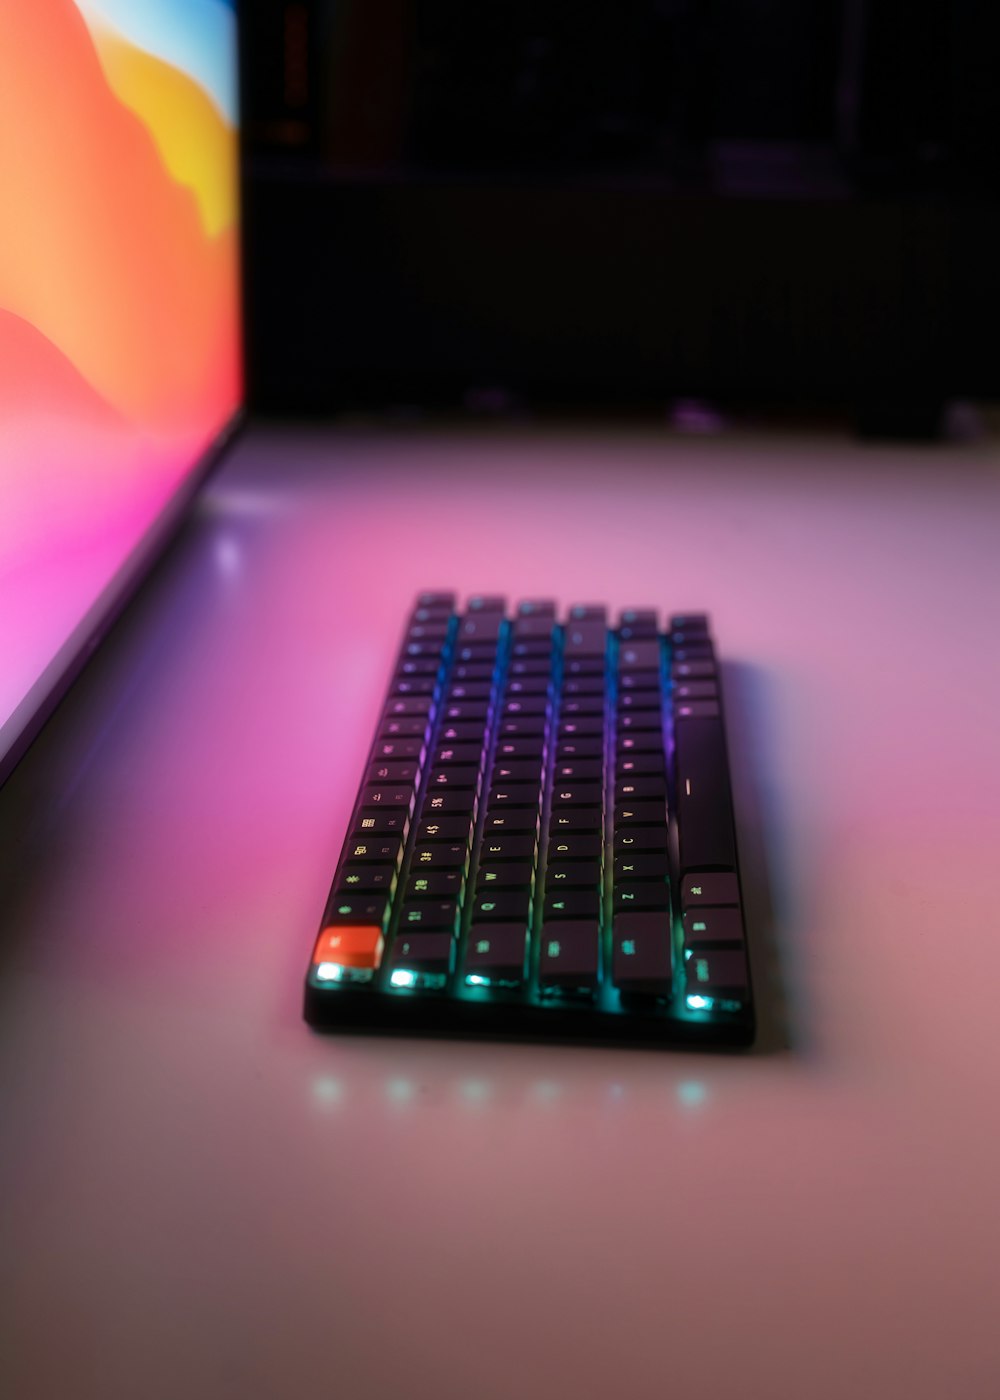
(704, 802)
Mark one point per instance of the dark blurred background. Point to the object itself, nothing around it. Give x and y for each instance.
(780, 202)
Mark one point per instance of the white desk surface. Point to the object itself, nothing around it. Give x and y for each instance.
(200, 1198)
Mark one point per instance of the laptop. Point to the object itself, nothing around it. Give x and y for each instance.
(120, 354)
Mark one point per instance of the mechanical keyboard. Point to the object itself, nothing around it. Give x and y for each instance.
(543, 843)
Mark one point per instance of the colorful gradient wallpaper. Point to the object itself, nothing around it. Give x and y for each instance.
(119, 305)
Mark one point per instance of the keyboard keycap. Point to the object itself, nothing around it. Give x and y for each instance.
(639, 680)
(573, 874)
(495, 953)
(689, 622)
(472, 671)
(503, 906)
(632, 617)
(716, 973)
(704, 813)
(516, 847)
(392, 772)
(645, 741)
(466, 711)
(639, 763)
(408, 705)
(577, 666)
(468, 690)
(504, 875)
(415, 685)
(357, 911)
(436, 600)
(525, 705)
(507, 795)
(518, 771)
(710, 887)
(441, 855)
(399, 749)
(436, 829)
(585, 685)
(576, 795)
(572, 904)
(569, 819)
(533, 627)
(697, 709)
(366, 879)
(570, 955)
(641, 839)
(350, 945)
(575, 845)
(589, 746)
(404, 728)
(449, 803)
(640, 787)
(639, 700)
(461, 734)
(639, 656)
(642, 953)
(585, 639)
(442, 884)
(531, 746)
(484, 627)
(378, 852)
(522, 726)
(528, 685)
(419, 666)
(510, 819)
(633, 721)
(588, 705)
(423, 952)
(713, 926)
(629, 869)
(645, 894)
(579, 770)
(401, 796)
(692, 670)
(429, 914)
(388, 821)
(450, 776)
(640, 813)
(575, 728)
(696, 690)
(457, 754)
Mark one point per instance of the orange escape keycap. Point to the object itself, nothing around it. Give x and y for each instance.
(351, 945)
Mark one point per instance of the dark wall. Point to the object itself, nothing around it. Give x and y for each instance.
(562, 210)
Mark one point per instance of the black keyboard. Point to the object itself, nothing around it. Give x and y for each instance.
(543, 843)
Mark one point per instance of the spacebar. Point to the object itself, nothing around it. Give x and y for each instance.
(704, 802)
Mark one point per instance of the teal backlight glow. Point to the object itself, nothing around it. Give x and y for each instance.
(334, 972)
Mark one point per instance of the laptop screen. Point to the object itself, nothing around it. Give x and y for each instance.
(120, 354)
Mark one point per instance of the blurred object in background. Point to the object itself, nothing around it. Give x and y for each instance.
(732, 199)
